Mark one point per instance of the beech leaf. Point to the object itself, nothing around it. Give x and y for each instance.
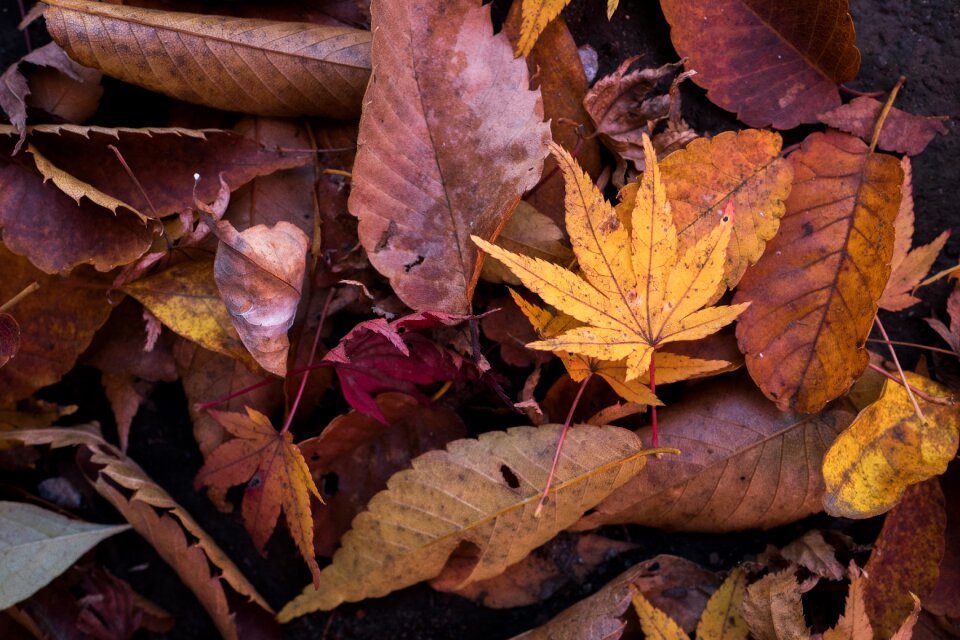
(902, 132)
(276, 475)
(445, 94)
(37, 545)
(780, 63)
(263, 67)
(477, 493)
(636, 293)
(815, 289)
(887, 448)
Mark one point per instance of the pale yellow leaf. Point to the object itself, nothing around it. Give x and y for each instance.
(723, 618)
(655, 623)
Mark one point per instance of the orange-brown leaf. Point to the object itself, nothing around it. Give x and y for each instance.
(771, 62)
(815, 289)
(450, 138)
(276, 475)
(854, 624)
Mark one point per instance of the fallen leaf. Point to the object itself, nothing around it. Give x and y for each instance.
(812, 552)
(66, 99)
(951, 334)
(722, 618)
(186, 299)
(886, 449)
(125, 397)
(773, 610)
(854, 624)
(744, 464)
(537, 14)
(530, 233)
(276, 475)
(655, 623)
(491, 509)
(637, 293)
(815, 289)
(57, 322)
(263, 67)
(908, 268)
(770, 63)
(445, 95)
(9, 337)
(905, 632)
(944, 599)
(905, 560)
(355, 455)
(259, 273)
(508, 327)
(120, 347)
(377, 356)
(902, 132)
(37, 545)
(743, 166)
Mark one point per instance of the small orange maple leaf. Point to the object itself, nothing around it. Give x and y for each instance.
(277, 478)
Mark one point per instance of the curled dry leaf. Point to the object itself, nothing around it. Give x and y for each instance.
(275, 473)
(815, 289)
(908, 268)
(9, 337)
(743, 464)
(854, 624)
(951, 334)
(259, 272)
(57, 323)
(887, 448)
(773, 610)
(262, 67)
(780, 63)
(477, 495)
(637, 292)
(446, 97)
(65, 98)
(155, 515)
(813, 553)
(355, 455)
(905, 560)
(902, 132)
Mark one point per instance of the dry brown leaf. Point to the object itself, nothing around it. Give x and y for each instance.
(773, 609)
(902, 132)
(446, 98)
(815, 289)
(259, 273)
(944, 599)
(9, 337)
(951, 334)
(854, 624)
(813, 553)
(743, 464)
(125, 397)
(477, 494)
(65, 98)
(530, 233)
(262, 67)
(509, 327)
(780, 62)
(908, 268)
(120, 347)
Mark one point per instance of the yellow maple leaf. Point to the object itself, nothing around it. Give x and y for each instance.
(636, 293)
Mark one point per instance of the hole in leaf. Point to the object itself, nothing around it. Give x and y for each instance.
(255, 481)
(509, 477)
(330, 484)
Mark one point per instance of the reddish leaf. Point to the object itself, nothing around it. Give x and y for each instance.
(9, 337)
(771, 62)
(355, 456)
(944, 599)
(509, 327)
(450, 138)
(902, 132)
(277, 478)
(375, 357)
(951, 334)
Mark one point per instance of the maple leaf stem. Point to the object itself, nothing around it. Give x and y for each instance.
(896, 361)
(133, 178)
(563, 437)
(885, 111)
(30, 288)
(313, 352)
(920, 393)
(653, 407)
(915, 345)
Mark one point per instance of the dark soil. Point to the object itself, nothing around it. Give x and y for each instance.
(917, 39)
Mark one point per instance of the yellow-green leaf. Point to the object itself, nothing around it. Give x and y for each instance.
(655, 623)
(723, 617)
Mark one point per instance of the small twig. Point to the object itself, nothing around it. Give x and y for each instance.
(653, 407)
(914, 345)
(27, 290)
(563, 437)
(313, 351)
(882, 118)
(903, 376)
(338, 172)
(860, 94)
(926, 396)
(133, 178)
(441, 391)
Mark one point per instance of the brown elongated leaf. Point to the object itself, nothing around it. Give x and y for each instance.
(185, 298)
(57, 322)
(445, 97)
(908, 268)
(660, 580)
(262, 67)
(555, 67)
(477, 493)
(902, 132)
(723, 619)
(905, 560)
(773, 609)
(355, 455)
(781, 62)
(259, 272)
(743, 464)
(815, 289)
(156, 516)
(887, 449)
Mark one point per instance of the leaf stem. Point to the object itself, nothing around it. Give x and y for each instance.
(563, 437)
(860, 94)
(896, 361)
(885, 112)
(133, 178)
(653, 407)
(926, 396)
(30, 288)
(313, 352)
(258, 385)
(914, 345)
